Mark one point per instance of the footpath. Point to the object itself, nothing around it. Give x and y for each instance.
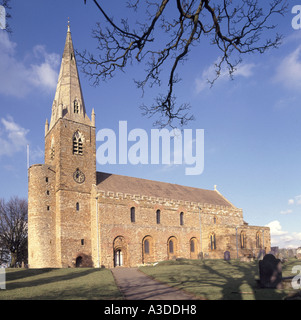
(134, 285)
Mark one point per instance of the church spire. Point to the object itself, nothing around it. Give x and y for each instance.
(68, 101)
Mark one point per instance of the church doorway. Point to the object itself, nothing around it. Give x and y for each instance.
(118, 258)
(78, 262)
(120, 252)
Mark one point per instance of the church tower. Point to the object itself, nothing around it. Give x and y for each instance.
(60, 190)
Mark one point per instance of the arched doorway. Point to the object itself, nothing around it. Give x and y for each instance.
(78, 262)
(118, 258)
(120, 252)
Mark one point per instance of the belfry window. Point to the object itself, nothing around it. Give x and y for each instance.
(75, 106)
(77, 143)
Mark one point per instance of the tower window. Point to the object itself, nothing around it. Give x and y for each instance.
(46, 179)
(75, 106)
(158, 214)
(82, 241)
(77, 206)
(181, 218)
(47, 192)
(77, 143)
(133, 214)
(48, 208)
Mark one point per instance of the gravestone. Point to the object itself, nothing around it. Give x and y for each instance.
(226, 255)
(261, 254)
(270, 272)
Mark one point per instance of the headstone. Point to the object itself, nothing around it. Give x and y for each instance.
(226, 255)
(261, 254)
(275, 251)
(270, 272)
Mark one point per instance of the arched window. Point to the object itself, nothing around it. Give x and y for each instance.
(75, 106)
(192, 245)
(146, 247)
(77, 143)
(158, 214)
(132, 214)
(258, 240)
(181, 218)
(77, 206)
(212, 241)
(243, 239)
(170, 246)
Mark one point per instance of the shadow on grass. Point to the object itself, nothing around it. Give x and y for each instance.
(60, 284)
(216, 279)
(46, 280)
(16, 274)
(232, 286)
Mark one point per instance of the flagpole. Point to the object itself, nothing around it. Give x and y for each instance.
(27, 157)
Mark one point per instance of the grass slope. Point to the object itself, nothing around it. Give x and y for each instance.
(218, 279)
(60, 284)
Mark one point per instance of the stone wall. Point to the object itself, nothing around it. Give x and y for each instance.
(118, 232)
(41, 217)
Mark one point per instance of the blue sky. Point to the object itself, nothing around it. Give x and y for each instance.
(252, 124)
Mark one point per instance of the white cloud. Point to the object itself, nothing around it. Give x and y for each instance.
(17, 78)
(286, 211)
(289, 70)
(12, 137)
(281, 238)
(298, 199)
(291, 201)
(244, 70)
(275, 228)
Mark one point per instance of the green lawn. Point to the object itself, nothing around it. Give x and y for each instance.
(218, 279)
(60, 284)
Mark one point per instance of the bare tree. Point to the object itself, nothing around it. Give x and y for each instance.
(13, 230)
(166, 32)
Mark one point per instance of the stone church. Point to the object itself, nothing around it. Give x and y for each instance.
(79, 217)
